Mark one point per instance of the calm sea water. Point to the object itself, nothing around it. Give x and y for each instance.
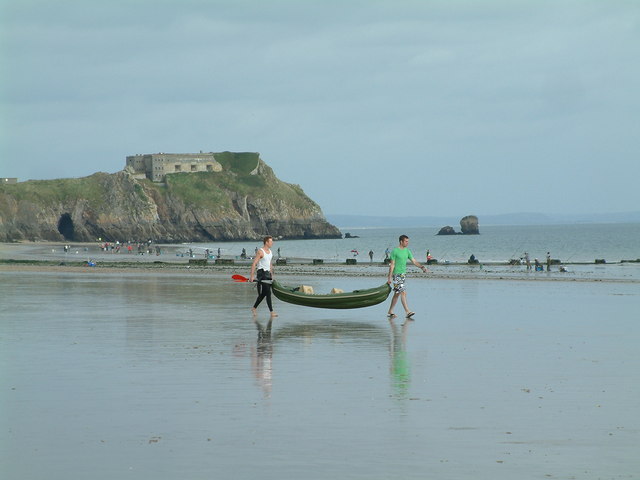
(567, 243)
(165, 375)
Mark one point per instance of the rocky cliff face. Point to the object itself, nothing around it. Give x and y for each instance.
(189, 207)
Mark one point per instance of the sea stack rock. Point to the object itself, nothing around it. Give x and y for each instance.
(469, 225)
(447, 231)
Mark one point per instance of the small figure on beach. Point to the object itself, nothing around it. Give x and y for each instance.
(386, 253)
(264, 275)
(397, 275)
(219, 252)
(548, 262)
(527, 260)
(538, 265)
(371, 255)
(244, 253)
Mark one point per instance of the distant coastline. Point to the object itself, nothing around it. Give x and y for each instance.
(524, 218)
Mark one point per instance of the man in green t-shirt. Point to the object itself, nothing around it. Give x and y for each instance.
(397, 271)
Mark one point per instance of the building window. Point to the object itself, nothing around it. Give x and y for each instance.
(178, 168)
(194, 168)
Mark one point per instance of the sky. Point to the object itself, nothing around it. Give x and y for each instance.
(373, 107)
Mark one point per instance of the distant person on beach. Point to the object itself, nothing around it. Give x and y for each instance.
(397, 272)
(527, 260)
(548, 262)
(386, 254)
(264, 274)
(371, 255)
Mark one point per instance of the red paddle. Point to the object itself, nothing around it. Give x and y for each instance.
(240, 278)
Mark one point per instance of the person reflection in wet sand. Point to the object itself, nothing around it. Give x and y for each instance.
(400, 371)
(261, 357)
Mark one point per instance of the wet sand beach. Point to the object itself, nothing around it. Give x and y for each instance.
(163, 373)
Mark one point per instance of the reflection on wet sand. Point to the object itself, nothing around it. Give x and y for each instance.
(262, 357)
(338, 332)
(359, 332)
(400, 369)
(262, 353)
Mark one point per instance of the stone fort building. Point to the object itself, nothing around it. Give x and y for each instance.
(155, 166)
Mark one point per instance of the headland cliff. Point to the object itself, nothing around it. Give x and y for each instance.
(242, 200)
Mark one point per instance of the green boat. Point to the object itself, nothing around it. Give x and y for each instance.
(355, 299)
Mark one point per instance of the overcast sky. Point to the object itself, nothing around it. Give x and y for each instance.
(388, 107)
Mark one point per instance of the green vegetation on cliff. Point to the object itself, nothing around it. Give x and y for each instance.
(207, 190)
(211, 190)
(242, 163)
(60, 190)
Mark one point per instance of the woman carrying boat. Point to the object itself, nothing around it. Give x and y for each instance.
(264, 275)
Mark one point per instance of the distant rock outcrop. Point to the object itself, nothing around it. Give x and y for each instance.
(233, 204)
(469, 225)
(447, 231)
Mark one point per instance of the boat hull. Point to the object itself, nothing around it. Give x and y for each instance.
(355, 299)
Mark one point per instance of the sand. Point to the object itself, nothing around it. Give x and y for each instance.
(161, 372)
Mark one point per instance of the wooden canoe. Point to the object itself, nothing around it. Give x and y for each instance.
(355, 299)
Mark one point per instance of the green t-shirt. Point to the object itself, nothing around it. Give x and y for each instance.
(400, 257)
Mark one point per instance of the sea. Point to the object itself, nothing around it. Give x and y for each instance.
(577, 243)
(585, 251)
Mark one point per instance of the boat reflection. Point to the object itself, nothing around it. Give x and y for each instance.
(354, 332)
